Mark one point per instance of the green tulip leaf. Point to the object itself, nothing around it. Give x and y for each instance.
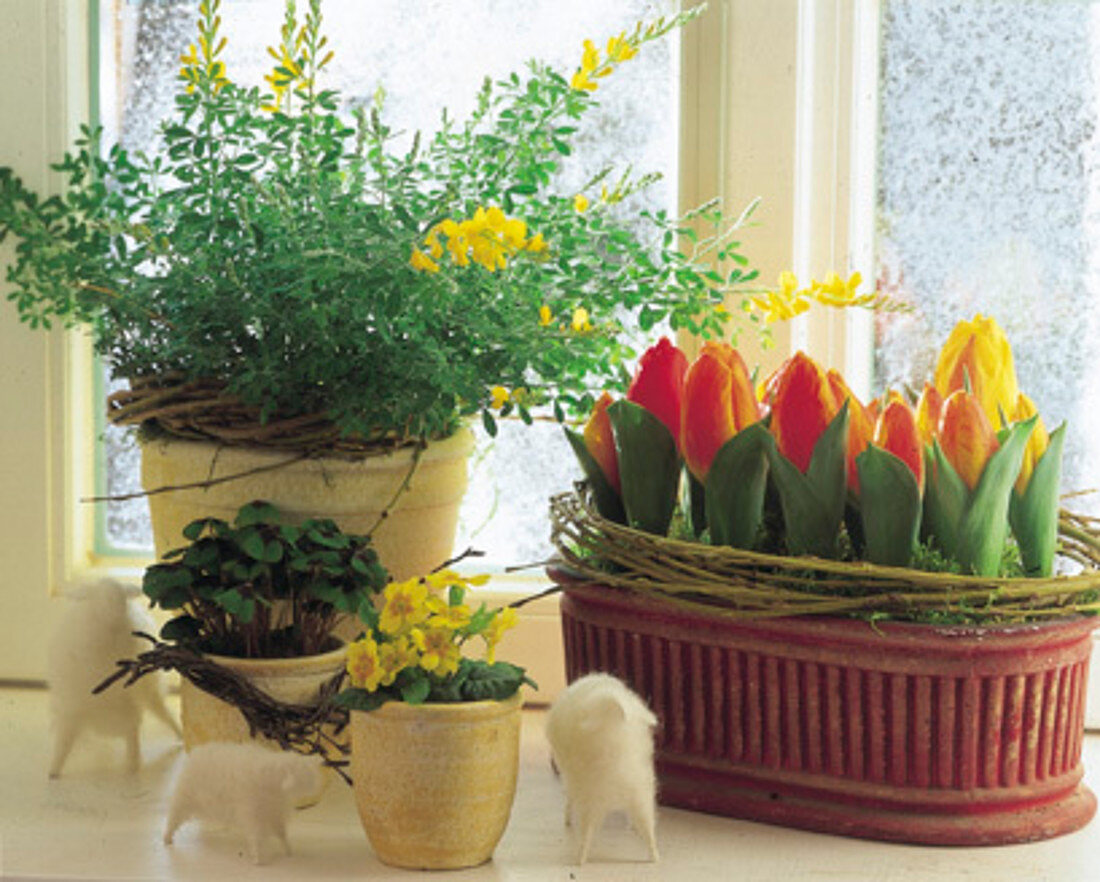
(1034, 515)
(735, 487)
(608, 503)
(649, 467)
(945, 501)
(985, 522)
(890, 507)
(696, 504)
(813, 503)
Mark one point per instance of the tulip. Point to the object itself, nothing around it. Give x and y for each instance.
(861, 425)
(928, 413)
(1037, 443)
(803, 405)
(719, 402)
(978, 350)
(658, 385)
(600, 441)
(897, 432)
(966, 436)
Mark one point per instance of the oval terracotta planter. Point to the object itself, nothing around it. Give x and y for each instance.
(434, 783)
(416, 537)
(913, 733)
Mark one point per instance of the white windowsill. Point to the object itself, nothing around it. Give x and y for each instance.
(97, 822)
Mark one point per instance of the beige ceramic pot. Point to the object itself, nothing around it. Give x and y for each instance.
(290, 680)
(415, 538)
(434, 783)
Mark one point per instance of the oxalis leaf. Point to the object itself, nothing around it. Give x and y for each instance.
(649, 466)
(1034, 516)
(608, 503)
(735, 487)
(813, 503)
(985, 522)
(890, 507)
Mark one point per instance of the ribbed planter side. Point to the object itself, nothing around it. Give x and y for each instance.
(947, 736)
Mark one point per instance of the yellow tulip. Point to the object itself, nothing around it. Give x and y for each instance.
(979, 350)
(1037, 443)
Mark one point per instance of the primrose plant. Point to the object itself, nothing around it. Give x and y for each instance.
(261, 587)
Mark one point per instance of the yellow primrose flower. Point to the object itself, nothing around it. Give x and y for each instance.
(514, 232)
(421, 261)
(444, 578)
(394, 657)
(536, 244)
(453, 617)
(580, 203)
(500, 397)
(545, 316)
(580, 320)
(504, 619)
(363, 664)
(404, 606)
(438, 652)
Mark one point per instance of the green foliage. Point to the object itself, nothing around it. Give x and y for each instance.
(270, 249)
(475, 680)
(261, 588)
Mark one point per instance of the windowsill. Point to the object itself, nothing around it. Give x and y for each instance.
(97, 822)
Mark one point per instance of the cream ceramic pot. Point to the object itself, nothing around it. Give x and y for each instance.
(415, 538)
(434, 783)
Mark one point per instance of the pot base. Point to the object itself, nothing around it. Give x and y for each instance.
(753, 796)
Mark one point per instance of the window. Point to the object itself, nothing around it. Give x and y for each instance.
(987, 198)
(426, 56)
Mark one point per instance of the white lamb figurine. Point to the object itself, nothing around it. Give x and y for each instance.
(94, 631)
(601, 735)
(245, 786)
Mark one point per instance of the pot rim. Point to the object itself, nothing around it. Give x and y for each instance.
(465, 710)
(294, 665)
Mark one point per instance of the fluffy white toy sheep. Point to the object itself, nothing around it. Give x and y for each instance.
(245, 786)
(601, 735)
(94, 631)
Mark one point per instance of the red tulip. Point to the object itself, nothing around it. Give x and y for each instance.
(719, 401)
(928, 413)
(966, 436)
(861, 425)
(658, 385)
(897, 432)
(600, 441)
(803, 405)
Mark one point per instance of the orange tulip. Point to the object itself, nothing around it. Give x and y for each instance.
(803, 405)
(861, 424)
(897, 432)
(1037, 443)
(719, 402)
(928, 413)
(600, 441)
(658, 384)
(966, 436)
(979, 350)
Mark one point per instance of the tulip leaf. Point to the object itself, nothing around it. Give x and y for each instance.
(608, 503)
(813, 503)
(649, 467)
(735, 487)
(890, 507)
(944, 502)
(985, 522)
(1034, 515)
(697, 504)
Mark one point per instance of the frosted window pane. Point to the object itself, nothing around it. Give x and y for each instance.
(428, 55)
(989, 196)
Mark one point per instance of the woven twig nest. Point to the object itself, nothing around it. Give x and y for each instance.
(202, 410)
(747, 584)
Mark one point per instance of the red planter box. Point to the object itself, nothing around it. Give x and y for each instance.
(913, 733)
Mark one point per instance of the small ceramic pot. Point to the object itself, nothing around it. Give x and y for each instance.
(434, 783)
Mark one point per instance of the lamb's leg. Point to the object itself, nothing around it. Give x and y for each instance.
(590, 820)
(64, 735)
(177, 814)
(643, 818)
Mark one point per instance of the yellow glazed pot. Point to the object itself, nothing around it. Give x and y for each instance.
(434, 783)
(416, 537)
